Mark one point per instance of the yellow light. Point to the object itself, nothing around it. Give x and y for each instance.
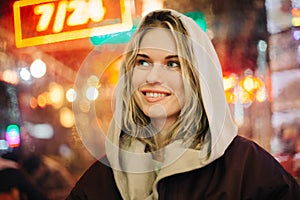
(42, 100)
(80, 15)
(96, 10)
(229, 82)
(296, 21)
(230, 97)
(56, 95)
(245, 97)
(66, 117)
(60, 17)
(261, 94)
(249, 83)
(45, 11)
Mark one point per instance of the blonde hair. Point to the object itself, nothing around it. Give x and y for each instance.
(192, 124)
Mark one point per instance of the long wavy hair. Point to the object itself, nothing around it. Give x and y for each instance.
(191, 125)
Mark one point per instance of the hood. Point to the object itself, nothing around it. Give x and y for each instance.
(135, 172)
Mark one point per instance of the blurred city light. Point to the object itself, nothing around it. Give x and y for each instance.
(249, 84)
(42, 100)
(25, 74)
(33, 103)
(261, 94)
(40, 131)
(65, 151)
(262, 45)
(92, 93)
(295, 13)
(246, 90)
(229, 81)
(3, 145)
(149, 6)
(71, 95)
(56, 95)
(93, 80)
(10, 76)
(38, 68)
(66, 117)
(296, 34)
(12, 135)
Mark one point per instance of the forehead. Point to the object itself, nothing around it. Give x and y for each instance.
(159, 39)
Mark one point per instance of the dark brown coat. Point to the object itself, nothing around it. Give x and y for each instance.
(245, 171)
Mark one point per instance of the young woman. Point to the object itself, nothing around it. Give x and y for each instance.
(172, 136)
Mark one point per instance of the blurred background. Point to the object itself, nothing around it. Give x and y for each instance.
(59, 63)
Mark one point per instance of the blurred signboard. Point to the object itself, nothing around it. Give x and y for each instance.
(46, 21)
(279, 17)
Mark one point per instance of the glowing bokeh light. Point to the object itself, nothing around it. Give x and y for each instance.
(149, 6)
(38, 68)
(40, 131)
(3, 145)
(93, 80)
(10, 76)
(66, 117)
(229, 82)
(25, 74)
(92, 93)
(56, 95)
(230, 97)
(42, 100)
(262, 45)
(249, 84)
(33, 103)
(71, 95)
(13, 135)
(261, 95)
(245, 97)
(296, 34)
(65, 151)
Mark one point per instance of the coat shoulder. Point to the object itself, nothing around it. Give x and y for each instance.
(97, 181)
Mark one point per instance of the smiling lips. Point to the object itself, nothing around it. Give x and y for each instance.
(153, 96)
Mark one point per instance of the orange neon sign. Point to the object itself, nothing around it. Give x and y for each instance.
(47, 21)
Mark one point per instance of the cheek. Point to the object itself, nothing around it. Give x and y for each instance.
(179, 90)
(137, 79)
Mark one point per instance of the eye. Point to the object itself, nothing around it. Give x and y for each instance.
(173, 64)
(142, 63)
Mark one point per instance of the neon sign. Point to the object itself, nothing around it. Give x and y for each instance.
(47, 21)
(13, 135)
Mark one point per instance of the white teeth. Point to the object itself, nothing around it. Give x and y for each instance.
(155, 95)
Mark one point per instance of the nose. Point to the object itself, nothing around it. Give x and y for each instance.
(155, 74)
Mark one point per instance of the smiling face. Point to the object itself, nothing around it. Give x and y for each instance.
(157, 81)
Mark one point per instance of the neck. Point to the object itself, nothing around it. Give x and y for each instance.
(161, 127)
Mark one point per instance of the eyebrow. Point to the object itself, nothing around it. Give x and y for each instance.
(143, 55)
(146, 56)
